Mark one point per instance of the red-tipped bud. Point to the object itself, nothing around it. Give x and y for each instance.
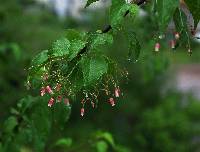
(117, 92)
(177, 35)
(49, 90)
(51, 102)
(172, 44)
(59, 98)
(82, 112)
(42, 91)
(66, 101)
(157, 47)
(112, 102)
(58, 87)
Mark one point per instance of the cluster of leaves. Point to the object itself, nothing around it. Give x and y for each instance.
(77, 63)
(10, 58)
(32, 125)
(178, 11)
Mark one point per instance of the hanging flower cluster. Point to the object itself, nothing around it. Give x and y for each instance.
(52, 99)
(111, 100)
(172, 43)
(56, 92)
(48, 90)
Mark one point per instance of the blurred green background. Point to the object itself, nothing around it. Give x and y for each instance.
(158, 112)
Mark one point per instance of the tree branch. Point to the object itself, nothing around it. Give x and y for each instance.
(108, 28)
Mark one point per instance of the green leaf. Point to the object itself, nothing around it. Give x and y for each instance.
(78, 40)
(101, 39)
(93, 68)
(165, 10)
(40, 117)
(90, 2)
(180, 21)
(16, 50)
(134, 46)
(24, 104)
(61, 114)
(133, 10)
(194, 7)
(64, 142)
(72, 34)
(38, 123)
(40, 58)
(76, 79)
(101, 146)
(60, 47)
(118, 11)
(76, 46)
(107, 137)
(10, 124)
(37, 62)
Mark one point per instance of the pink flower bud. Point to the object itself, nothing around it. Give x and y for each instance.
(59, 98)
(42, 91)
(66, 101)
(49, 90)
(172, 44)
(157, 47)
(112, 102)
(51, 102)
(177, 35)
(117, 92)
(82, 112)
(58, 87)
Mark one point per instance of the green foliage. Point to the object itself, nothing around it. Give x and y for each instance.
(74, 60)
(93, 68)
(77, 42)
(147, 120)
(160, 118)
(194, 7)
(64, 142)
(40, 59)
(107, 137)
(89, 2)
(100, 39)
(115, 10)
(119, 10)
(134, 46)
(36, 125)
(60, 48)
(164, 12)
(101, 146)
(10, 124)
(75, 47)
(180, 21)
